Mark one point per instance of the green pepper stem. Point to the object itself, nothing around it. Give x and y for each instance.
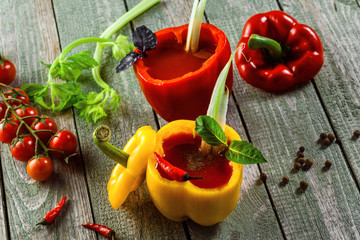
(101, 137)
(273, 47)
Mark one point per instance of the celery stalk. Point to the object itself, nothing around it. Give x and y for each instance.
(193, 35)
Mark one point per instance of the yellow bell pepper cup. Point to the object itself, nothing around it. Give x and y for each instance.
(179, 201)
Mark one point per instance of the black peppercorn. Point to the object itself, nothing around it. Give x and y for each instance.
(356, 133)
(326, 141)
(331, 137)
(263, 177)
(328, 164)
(297, 166)
(300, 154)
(338, 141)
(309, 162)
(300, 160)
(323, 136)
(301, 149)
(285, 180)
(303, 185)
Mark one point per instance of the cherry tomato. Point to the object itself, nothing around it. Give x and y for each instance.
(7, 71)
(18, 94)
(23, 150)
(3, 108)
(48, 124)
(63, 141)
(7, 132)
(40, 170)
(29, 111)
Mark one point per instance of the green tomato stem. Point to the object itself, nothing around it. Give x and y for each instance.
(101, 137)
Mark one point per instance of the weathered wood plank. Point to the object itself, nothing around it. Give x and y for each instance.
(253, 199)
(137, 218)
(279, 125)
(3, 217)
(29, 35)
(338, 24)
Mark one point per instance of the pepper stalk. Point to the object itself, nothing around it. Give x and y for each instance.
(273, 48)
(101, 137)
(129, 173)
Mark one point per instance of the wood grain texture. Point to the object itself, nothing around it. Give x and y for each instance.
(137, 218)
(29, 35)
(3, 214)
(253, 199)
(338, 24)
(279, 125)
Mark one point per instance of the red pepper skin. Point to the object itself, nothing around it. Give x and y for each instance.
(188, 96)
(50, 216)
(103, 230)
(301, 64)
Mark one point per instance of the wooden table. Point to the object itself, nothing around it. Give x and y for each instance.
(278, 124)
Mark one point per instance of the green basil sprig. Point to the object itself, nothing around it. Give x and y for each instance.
(239, 151)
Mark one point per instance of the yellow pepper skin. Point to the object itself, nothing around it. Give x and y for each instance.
(125, 180)
(129, 173)
(179, 201)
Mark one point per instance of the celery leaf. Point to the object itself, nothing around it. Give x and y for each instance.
(122, 47)
(71, 67)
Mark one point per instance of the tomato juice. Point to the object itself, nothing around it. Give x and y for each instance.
(172, 61)
(183, 151)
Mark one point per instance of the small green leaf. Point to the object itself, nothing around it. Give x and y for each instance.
(68, 93)
(244, 153)
(93, 113)
(63, 90)
(115, 100)
(71, 67)
(210, 131)
(35, 90)
(45, 64)
(91, 107)
(122, 47)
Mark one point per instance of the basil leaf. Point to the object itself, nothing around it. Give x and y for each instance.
(144, 39)
(127, 61)
(210, 131)
(244, 153)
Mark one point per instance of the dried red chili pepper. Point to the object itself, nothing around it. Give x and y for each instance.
(172, 171)
(280, 52)
(103, 230)
(50, 216)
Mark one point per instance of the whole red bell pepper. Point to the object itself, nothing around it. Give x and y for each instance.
(278, 53)
(187, 96)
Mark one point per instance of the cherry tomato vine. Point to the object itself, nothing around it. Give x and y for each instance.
(32, 137)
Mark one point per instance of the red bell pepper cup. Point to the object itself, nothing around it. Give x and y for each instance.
(186, 96)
